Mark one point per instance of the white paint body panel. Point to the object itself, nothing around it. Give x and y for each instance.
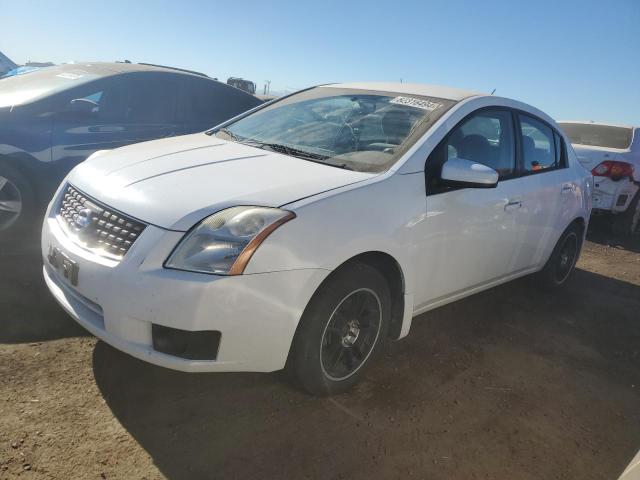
(173, 183)
(447, 246)
(258, 314)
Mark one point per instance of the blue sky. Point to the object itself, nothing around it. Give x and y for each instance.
(574, 59)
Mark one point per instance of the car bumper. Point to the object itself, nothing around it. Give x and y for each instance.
(118, 302)
(613, 196)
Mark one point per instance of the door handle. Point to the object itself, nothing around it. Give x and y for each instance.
(567, 188)
(514, 205)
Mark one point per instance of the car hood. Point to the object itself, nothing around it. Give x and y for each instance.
(174, 183)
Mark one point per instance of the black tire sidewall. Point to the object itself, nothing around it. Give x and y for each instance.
(304, 363)
(548, 273)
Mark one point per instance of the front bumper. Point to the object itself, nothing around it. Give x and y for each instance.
(613, 196)
(257, 314)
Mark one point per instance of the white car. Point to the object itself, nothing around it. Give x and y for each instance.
(308, 230)
(612, 154)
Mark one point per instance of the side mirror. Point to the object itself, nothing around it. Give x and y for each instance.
(459, 172)
(83, 106)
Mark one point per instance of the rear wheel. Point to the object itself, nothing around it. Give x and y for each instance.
(341, 331)
(17, 201)
(628, 223)
(563, 258)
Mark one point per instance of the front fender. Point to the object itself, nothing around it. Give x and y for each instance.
(328, 231)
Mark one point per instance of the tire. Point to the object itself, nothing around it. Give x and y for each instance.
(563, 259)
(628, 223)
(341, 332)
(17, 200)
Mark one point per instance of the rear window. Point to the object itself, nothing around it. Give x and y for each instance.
(598, 135)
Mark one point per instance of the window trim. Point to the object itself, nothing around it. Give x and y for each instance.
(562, 162)
(516, 142)
(519, 171)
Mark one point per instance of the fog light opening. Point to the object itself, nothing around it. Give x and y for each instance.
(196, 345)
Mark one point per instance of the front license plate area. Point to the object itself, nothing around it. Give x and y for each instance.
(61, 262)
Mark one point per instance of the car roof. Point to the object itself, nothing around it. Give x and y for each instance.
(437, 91)
(591, 122)
(105, 69)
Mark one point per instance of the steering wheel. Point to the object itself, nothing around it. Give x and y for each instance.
(352, 138)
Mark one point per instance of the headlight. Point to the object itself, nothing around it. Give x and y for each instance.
(224, 242)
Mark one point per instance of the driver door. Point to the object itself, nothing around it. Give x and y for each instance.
(469, 234)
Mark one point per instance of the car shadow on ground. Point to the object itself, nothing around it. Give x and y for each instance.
(600, 233)
(509, 383)
(28, 311)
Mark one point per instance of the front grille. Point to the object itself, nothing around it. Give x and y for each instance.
(96, 226)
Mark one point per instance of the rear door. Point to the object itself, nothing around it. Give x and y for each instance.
(547, 188)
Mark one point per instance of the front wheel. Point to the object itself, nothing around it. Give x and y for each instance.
(563, 258)
(341, 331)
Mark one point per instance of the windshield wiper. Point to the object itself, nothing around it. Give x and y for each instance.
(285, 149)
(303, 154)
(294, 152)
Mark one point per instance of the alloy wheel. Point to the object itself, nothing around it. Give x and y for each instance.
(566, 257)
(10, 203)
(351, 334)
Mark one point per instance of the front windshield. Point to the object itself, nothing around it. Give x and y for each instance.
(354, 129)
(20, 89)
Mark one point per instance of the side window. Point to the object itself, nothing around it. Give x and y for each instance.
(94, 97)
(209, 103)
(540, 151)
(202, 103)
(151, 98)
(135, 98)
(487, 138)
(102, 101)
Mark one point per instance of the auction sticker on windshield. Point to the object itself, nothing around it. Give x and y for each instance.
(416, 102)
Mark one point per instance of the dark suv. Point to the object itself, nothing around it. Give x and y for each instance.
(54, 118)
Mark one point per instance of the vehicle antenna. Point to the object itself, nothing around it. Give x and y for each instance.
(494, 91)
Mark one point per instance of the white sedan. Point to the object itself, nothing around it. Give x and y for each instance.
(612, 153)
(307, 231)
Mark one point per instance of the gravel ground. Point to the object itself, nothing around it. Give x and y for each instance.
(510, 383)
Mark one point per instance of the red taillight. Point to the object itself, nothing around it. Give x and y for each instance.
(614, 170)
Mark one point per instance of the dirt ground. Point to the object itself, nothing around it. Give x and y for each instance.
(511, 383)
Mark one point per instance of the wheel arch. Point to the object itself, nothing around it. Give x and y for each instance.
(390, 268)
(25, 165)
(578, 221)
(581, 222)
